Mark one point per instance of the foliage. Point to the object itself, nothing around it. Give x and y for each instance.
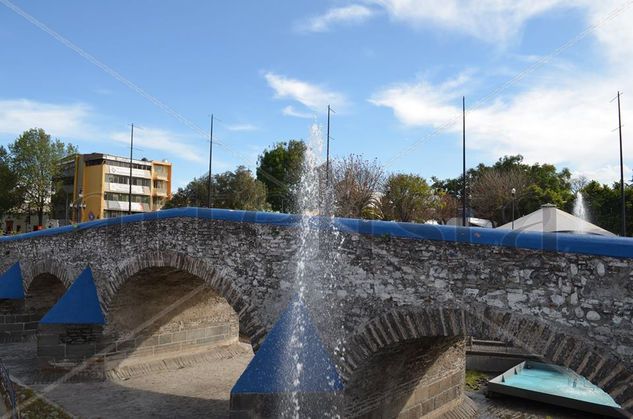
(445, 206)
(475, 380)
(34, 407)
(9, 193)
(35, 161)
(231, 190)
(407, 198)
(605, 206)
(280, 170)
(356, 184)
(492, 193)
(489, 187)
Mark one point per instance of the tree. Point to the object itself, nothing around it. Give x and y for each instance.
(231, 190)
(492, 193)
(544, 184)
(578, 184)
(407, 198)
(356, 184)
(280, 170)
(35, 161)
(239, 190)
(445, 206)
(605, 206)
(9, 193)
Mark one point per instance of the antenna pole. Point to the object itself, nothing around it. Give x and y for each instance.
(623, 232)
(210, 197)
(131, 155)
(464, 161)
(327, 156)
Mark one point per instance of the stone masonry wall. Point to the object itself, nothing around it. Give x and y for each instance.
(253, 267)
(409, 379)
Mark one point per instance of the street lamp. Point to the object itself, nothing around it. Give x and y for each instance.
(514, 192)
(78, 204)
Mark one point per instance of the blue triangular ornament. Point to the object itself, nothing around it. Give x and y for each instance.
(11, 284)
(79, 305)
(278, 367)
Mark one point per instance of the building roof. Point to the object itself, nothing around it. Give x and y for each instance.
(549, 219)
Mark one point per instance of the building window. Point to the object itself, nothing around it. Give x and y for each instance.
(127, 164)
(160, 170)
(123, 197)
(137, 181)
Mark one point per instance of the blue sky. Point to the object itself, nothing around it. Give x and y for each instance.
(394, 71)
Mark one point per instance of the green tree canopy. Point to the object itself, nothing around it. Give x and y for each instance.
(231, 190)
(280, 170)
(35, 160)
(536, 184)
(9, 192)
(605, 206)
(407, 198)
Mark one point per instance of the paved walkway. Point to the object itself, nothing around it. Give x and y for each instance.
(202, 391)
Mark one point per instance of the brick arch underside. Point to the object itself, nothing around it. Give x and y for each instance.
(248, 322)
(31, 270)
(557, 345)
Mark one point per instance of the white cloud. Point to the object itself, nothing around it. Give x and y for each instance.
(242, 127)
(566, 124)
(352, 14)
(490, 20)
(161, 140)
(59, 120)
(560, 115)
(290, 111)
(312, 96)
(421, 103)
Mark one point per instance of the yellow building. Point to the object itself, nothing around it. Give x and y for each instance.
(98, 186)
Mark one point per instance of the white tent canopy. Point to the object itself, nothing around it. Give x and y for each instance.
(550, 219)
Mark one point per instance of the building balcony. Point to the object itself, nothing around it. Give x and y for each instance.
(123, 188)
(125, 171)
(124, 206)
(159, 192)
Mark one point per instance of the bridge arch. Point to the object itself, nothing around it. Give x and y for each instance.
(397, 328)
(60, 270)
(45, 282)
(249, 324)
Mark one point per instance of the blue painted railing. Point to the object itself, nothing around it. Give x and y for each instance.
(553, 242)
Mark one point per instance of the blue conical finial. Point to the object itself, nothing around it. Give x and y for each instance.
(280, 367)
(79, 305)
(11, 283)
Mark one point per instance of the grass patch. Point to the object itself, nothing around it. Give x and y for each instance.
(33, 407)
(475, 380)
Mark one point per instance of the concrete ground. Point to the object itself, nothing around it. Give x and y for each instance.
(194, 392)
(200, 391)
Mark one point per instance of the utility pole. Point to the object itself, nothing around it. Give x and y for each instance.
(210, 197)
(327, 155)
(131, 155)
(621, 172)
(464, 161)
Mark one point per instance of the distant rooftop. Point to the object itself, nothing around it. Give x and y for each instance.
(96, 156)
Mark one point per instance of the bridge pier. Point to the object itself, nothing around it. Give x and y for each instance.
(410, 380)
(70, 349)
(16, 323)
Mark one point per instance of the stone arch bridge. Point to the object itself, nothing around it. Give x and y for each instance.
(402, 296)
